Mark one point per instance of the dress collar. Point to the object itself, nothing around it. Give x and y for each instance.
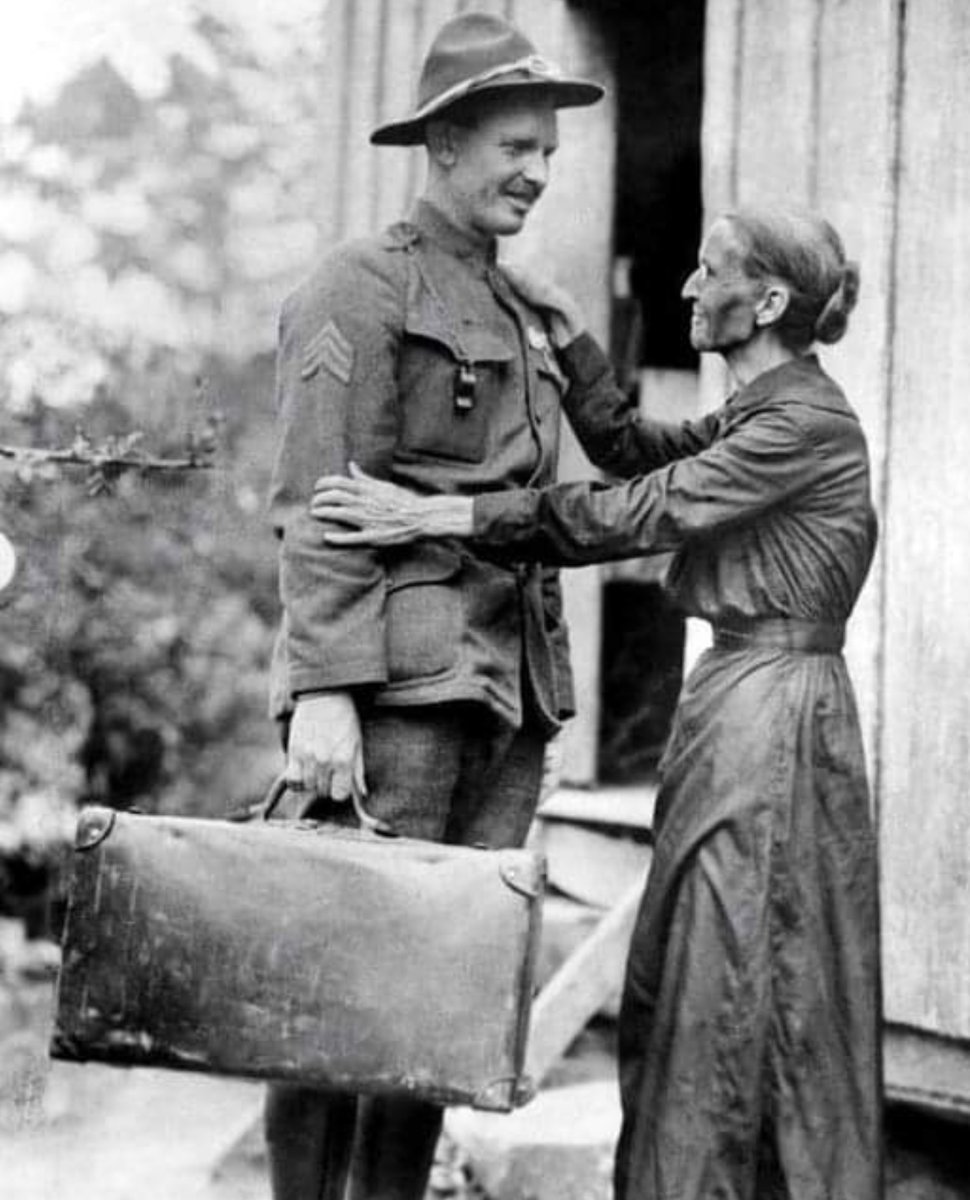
(794, 375)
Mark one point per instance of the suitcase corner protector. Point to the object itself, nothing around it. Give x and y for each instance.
(93, 825)
(528, 883)
(503, 1095)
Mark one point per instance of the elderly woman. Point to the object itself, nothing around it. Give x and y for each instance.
(749, 1030)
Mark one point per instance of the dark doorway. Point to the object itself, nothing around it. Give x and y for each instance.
(657, 49)
(642, 672)
(659, 70)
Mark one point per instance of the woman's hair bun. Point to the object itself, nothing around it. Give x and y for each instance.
(833, 320)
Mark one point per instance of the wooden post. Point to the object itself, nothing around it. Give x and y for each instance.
(581, 986)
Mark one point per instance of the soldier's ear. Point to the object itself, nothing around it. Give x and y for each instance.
(441, 139)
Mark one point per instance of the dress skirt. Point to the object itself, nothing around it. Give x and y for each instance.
(750, 1060)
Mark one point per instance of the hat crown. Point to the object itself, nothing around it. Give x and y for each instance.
(474, 53)
(466, 47)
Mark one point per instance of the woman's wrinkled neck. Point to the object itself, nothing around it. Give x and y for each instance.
(761, 353)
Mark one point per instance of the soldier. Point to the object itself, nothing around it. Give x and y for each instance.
(432, 677)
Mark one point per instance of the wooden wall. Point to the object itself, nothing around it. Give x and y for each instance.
(861, 108)
(374, 49)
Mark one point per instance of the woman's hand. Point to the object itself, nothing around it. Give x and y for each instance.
(384, 514)
(566, 320)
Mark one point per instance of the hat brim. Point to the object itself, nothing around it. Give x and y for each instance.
(565, 93)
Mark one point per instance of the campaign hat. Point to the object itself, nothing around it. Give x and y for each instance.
(473, 54)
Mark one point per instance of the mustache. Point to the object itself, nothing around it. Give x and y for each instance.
(529, 192)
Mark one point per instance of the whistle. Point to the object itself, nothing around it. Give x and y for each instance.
(465, 380)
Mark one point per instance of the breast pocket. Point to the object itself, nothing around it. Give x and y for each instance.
(450, 392)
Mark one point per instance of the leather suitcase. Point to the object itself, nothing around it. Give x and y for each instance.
(331, 957)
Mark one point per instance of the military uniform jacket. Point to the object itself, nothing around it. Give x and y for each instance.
(409, 354)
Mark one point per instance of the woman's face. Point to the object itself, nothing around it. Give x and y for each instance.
(724, 299)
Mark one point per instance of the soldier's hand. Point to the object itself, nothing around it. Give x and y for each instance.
(325, 753)
(566, 320)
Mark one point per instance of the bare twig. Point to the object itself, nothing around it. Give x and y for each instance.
(29, 456)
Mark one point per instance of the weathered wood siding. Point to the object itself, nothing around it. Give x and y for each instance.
(374, 53)
(925, 748)
(861, 108)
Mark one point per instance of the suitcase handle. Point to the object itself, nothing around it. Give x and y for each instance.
(372, 824)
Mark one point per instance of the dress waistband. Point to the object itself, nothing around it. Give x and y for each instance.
(780, 633)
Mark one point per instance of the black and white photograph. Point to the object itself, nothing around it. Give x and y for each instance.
(484, 557)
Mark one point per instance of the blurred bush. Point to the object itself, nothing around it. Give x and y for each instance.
(157, 191)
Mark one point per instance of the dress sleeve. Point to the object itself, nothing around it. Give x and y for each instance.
(763, 462)
(336, 402)
(616, 436)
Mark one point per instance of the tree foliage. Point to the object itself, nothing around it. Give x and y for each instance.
(157, 194)
(158, 199)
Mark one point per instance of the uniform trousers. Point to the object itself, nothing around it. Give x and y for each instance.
(450, 773)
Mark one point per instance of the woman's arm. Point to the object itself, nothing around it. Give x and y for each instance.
(761, 464)
(378, 513)
(615, 435)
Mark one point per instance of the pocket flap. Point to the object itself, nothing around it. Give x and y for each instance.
(477, 345)
(483, 346)
(426, 563)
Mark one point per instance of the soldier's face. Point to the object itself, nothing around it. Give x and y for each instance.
(501, 165)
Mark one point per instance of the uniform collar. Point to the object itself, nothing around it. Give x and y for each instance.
(433, 223)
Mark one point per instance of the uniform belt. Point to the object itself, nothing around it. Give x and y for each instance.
(780, 633)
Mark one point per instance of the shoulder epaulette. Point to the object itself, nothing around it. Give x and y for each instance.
(402, 235)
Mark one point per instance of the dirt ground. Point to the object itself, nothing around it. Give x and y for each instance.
(70, 1132)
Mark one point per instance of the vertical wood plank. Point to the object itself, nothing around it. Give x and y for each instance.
(723, 61)
(498, 8)
(857, 144)
(375, 67)
(398, 170)
(432, 14)
(363, 82)
(777, 82)
(333, 122)
(724, 43)
(925, 744)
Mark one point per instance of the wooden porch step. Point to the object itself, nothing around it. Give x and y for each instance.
(630, 806)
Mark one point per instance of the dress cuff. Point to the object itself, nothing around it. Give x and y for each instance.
(583, 360)
(504, 518)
